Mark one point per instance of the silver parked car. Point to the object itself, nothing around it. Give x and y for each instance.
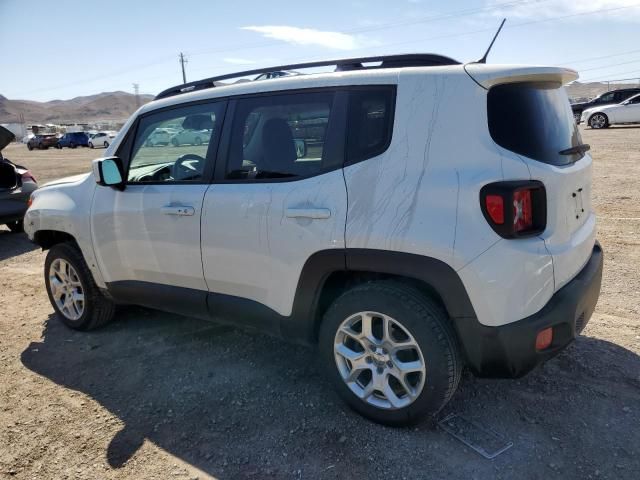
(16, 185)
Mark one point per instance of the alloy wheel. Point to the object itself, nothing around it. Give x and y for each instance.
(379, 360)
(66, 289)
(598, 121)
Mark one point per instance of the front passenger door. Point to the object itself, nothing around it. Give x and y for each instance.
(147, 237)
(629, 112)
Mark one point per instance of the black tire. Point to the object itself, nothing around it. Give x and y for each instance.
(429, 325)
(98, 310)
(91, 145)
(29, 146)
(16, 227)
(175, 142)
(106, 145)
(595, 122)
(198, 141)
(72, 145)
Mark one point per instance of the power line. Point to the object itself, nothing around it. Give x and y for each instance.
(570, 62)
(166, 59)
(610, 65)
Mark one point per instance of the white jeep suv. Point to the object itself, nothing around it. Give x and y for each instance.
(438, 217)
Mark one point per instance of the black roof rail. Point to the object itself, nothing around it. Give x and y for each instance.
(344, 64)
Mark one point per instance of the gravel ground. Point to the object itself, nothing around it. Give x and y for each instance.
(156, 395)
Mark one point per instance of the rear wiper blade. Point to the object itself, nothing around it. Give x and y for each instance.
(585, 147)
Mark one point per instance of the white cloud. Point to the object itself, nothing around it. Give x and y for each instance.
(309, 36)
(542, 9)
(238, 61)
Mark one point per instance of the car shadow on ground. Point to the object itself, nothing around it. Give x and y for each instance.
(240, 405)
(14, 244)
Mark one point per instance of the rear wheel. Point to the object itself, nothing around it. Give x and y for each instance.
(175, 142)
(390, 352)
(71, 289)
(72, 145)
(598, 120)
(198, 141)
(16, 227)
(106, 145)
(29, 146)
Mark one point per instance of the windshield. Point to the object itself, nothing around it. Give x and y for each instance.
(534, 119)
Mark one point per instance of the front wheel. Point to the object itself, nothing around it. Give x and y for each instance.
(106, 145)
(598, 120)
(91, 145)
(390, 352)
(29, 146)
(72, 291)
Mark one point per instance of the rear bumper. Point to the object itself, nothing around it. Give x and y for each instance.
(509, 351)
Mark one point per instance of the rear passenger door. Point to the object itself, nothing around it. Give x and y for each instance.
(278, 197)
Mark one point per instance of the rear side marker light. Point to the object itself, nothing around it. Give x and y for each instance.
(515, 209)
(544, 339)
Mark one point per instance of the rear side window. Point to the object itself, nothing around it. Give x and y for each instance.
(370, 122)
(534, 120)
(283, 137)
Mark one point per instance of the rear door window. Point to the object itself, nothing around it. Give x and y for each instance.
(534, 119)
(285, 136)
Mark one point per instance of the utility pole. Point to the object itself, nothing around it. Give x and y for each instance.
(182, 61)
(136, 89)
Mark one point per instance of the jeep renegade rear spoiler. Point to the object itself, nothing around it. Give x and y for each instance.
(489, 75)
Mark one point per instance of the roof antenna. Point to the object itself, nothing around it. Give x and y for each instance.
(484, 57)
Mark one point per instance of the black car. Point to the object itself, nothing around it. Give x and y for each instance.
(608, 98)
(16, 185)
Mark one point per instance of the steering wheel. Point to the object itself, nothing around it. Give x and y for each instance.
(180, 171)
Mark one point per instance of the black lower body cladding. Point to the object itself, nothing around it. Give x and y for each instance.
(509, 351)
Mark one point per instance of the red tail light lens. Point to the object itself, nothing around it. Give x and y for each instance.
(28, 176)
(495, 208)
(515, 209)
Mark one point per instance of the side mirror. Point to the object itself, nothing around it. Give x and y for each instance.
(109, 172)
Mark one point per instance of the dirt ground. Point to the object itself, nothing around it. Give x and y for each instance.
(155, 395)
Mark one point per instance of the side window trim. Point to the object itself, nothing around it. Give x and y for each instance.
(211, 156)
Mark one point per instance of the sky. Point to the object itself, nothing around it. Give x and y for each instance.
(68, 48)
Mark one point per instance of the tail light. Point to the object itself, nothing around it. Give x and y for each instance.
(28, 176)
(515, 209)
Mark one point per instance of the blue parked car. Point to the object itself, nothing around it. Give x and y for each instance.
(73, 140)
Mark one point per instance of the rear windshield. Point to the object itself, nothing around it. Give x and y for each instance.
(534, 120)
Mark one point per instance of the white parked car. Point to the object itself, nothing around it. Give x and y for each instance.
(625, 112)
(438, 217)
(159, 136)
(190, 137)
(101, 139)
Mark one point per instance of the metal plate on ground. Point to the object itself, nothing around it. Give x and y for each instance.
(486, 442)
